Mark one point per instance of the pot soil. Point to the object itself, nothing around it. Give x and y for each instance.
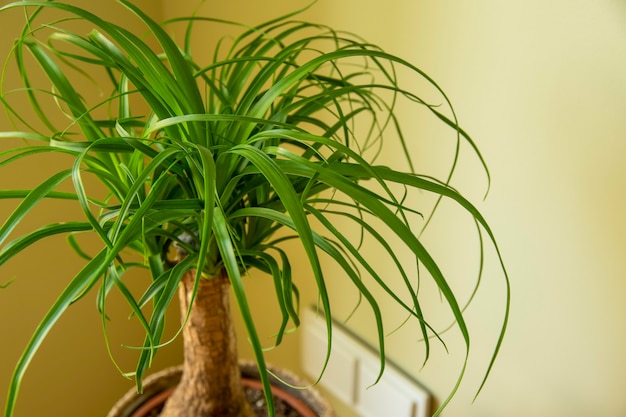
(288, 402)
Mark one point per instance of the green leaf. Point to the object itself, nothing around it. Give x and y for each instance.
(18, 245)
(89, 273)
(229, 256)
(30, 200)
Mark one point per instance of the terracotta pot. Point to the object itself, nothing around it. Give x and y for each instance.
(158, 388)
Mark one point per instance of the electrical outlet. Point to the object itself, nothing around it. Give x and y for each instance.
(352, 369)
(342, 365)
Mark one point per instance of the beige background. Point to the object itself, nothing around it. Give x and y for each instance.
(541, 86)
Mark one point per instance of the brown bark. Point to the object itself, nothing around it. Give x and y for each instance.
(211, 380)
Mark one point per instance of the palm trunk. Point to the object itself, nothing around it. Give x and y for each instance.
(211, 379)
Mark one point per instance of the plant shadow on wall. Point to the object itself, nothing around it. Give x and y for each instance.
(234, 160)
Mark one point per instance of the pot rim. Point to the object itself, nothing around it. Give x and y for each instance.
(294, 390)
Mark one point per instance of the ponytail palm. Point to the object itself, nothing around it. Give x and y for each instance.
(224, 163)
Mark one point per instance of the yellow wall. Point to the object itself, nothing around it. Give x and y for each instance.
(541, 87)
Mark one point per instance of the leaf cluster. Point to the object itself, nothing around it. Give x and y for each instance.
(223, 161)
